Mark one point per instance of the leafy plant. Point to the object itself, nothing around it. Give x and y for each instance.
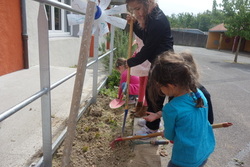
(85, 149)
(109, 92)
(121, 45)
(237, 20)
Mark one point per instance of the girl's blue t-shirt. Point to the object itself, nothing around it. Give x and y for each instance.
(188, 127)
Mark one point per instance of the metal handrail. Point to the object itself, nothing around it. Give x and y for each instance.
(22, 104)
(39, 94)
(60, 5)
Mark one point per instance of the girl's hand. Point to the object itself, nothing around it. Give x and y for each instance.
(151, 116)
(162, 135)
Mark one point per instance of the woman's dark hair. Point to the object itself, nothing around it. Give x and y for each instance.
(171, 68)
(146, 7)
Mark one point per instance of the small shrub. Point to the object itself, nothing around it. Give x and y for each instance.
(85, 149)
(121, 45)
(112, 85)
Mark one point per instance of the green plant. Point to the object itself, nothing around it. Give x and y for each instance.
(111, 88)
(113, 79)
(102, 48)
(97, 135)
(85, 149)
(121, 45)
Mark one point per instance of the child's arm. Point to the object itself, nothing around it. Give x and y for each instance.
(123, 79)
(169, 117)
(153, 116)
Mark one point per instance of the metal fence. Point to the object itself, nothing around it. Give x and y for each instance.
(45, 87)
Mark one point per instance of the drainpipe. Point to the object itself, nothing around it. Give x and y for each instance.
(24, 35)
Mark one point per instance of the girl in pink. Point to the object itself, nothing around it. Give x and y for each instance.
(134, 81)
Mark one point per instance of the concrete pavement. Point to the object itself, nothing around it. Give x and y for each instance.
(21, 134)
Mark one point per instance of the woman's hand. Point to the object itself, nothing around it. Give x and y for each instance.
(130, 19)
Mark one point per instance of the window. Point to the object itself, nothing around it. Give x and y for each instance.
(57, 20)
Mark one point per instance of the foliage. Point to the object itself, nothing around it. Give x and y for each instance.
(237, 20)
(121, 45)
(113, 79)
(217, 14)
(112, 84)
(203, 21)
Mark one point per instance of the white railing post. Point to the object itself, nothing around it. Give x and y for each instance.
(43, 41)
(95, 66)
(112, 31)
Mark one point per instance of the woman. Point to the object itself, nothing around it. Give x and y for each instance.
(153, 28)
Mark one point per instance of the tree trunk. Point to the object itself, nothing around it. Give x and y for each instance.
(237, 51)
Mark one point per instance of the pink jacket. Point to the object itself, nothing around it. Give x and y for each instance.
(133, 86)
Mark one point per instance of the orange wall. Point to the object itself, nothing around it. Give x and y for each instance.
(227, 43)
(11, 51)
(213, 41)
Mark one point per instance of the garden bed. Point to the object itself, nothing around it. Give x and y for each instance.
(97, 128)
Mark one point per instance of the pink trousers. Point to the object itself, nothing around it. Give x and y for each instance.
(142, 90)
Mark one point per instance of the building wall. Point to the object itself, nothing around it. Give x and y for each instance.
(247, 46)
(214, 40)
(227, 43)
(189, 39)
(11, 50)
(64, 51)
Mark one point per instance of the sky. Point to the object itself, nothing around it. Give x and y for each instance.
(181, 6)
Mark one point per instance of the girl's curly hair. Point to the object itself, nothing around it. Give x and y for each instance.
(171, 68)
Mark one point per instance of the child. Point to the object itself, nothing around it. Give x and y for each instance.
(140, 70)
(186, 115)
(190, 61)
(134, 81)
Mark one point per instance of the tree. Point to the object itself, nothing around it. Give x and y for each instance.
(217, 16)
(204, 21)
(237, 20)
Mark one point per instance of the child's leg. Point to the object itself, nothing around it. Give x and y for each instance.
(145, 80)
(141, 89)
(141, 94)
(142, 108)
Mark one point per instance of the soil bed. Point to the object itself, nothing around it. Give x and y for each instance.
(97, 128)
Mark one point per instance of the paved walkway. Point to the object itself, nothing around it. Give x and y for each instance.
(21, 133)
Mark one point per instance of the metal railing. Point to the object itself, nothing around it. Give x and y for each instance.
(45, 88)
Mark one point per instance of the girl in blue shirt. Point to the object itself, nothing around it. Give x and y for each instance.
(186, 115)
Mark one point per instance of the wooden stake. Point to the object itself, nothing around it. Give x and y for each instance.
(128, 73)
(79, 80)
